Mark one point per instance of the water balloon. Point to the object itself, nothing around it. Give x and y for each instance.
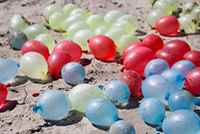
(187, 24)
(95, 20)
(180, 100)
(35, 46)
(137, 59)
(102, 47)
(115, 33)
(34, 30)
(181, 122)
(152, 111)
(118, 92)
(56, 20)
(157, 87)
(56, 61)
(82, 12)
(127, 26)
(8, 69)
(18, 23)
(81, 37)
(155, 66)
(73, 73)
(133, 80)
(34, 65)
(125, 41)
(131, 19)
(68, 8)
(49, 10)
(183, 66)
(112, 16)
(153, 16)
(17, 40)
(122, 127)
(193, 56)
(101, 112)
(192, 83)
(53, 105)
(175, 78)
(82, 94)
(47, 40)
(100, 30)
(3, 95)
(70, 48)
(172, 24)
(153, 41)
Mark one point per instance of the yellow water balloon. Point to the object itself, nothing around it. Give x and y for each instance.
(68, 8)
(82, 94)
(34, 65)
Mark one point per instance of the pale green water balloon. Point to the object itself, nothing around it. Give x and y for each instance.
(125, 41)
(56, 20)
(48, 40)
(112, 16)
(17, 23)
(72, 29)
(128, 27)
(34, 30)
(81, 11)
(187, 24)
(115, 33)
(131, 19)
(101, 30)
(95, 20)
(81, 37)
(82, 94)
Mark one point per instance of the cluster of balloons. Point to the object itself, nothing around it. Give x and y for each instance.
(161, 8)
(80, 24)
(94, 102)
(172, 83)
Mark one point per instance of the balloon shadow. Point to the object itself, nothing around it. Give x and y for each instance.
(132, 103)
(9, 106)
(39, 81)
(85, 61)
(19, 80)
(74, 117)
(197, 111)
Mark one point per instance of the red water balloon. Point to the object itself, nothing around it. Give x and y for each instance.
(56, 61)
(70, 48)
(192, 82)
(153, 41)
(3, 95)
(102, 47)
(137, 59)
(168, 26)
(131, 47)
(35, 46)
(170, 58)
(133, 80)
(177, 47)
(193, 56)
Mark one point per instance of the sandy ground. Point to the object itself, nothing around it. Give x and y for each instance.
(20, 119)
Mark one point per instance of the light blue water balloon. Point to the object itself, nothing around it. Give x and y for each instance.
(53, 105)
(175, 78)
(118, 92)
(155, 66)
(183, 66)
(101, 112)
(152, 111)
(180, 100)
(181, 122)
(8, 69)
(156, 86)
(73, 73)
(122, 127)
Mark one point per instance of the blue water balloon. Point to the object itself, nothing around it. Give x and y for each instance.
(181, 122)
(101, 112)
(183, 66)
(152, 111)
(156, 86)
(180, 100)
(53, 105)
(118, 92)
(175, 78)
(122, 127)
(8, 69)
(73, 73)
(155, 66)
